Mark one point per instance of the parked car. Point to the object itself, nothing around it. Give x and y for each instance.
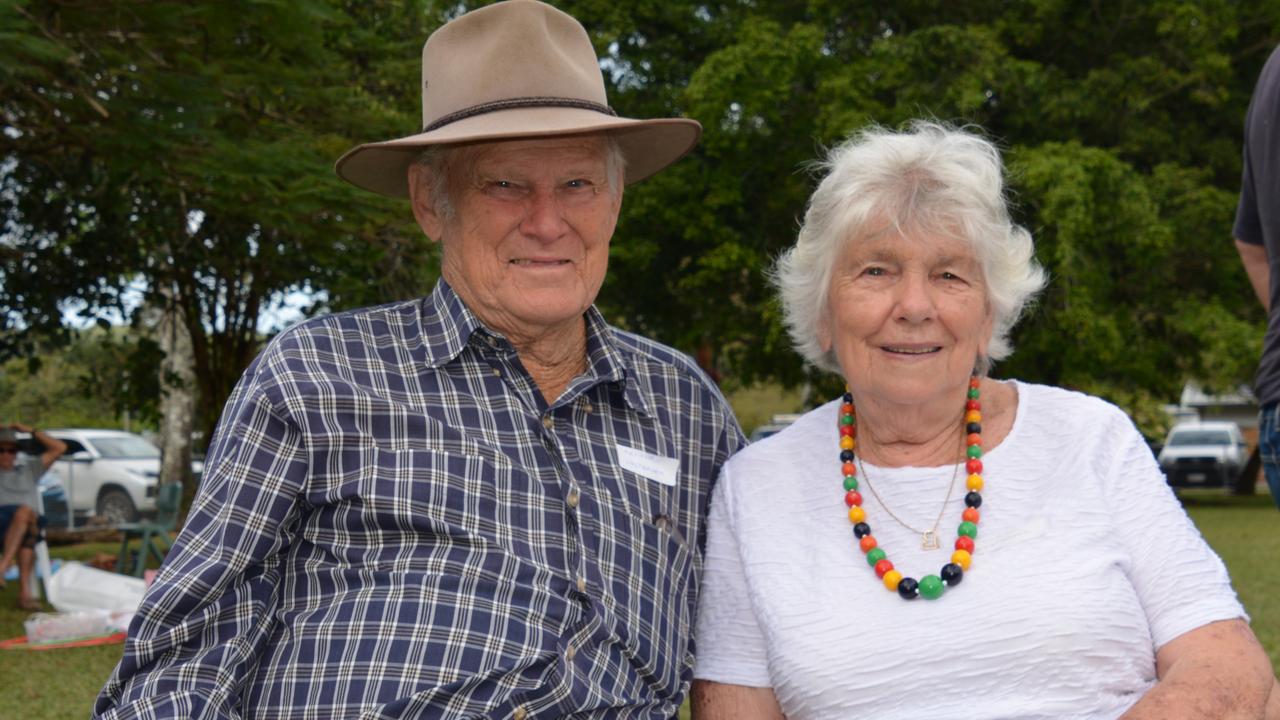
(108, 473)
(1203, 454)
(775, 424)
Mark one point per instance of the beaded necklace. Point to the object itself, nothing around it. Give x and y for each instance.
(929, 587)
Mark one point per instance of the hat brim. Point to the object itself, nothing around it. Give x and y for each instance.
(647, 145)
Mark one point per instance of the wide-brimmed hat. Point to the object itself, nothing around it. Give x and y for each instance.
(516, 69)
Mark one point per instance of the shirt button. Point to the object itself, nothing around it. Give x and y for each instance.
(548, 422)
(519, 714)
(586, 407)
(497, 372)
(582, 584)
(573, 497)
(570, 653)
(493, 342)
(660, 522)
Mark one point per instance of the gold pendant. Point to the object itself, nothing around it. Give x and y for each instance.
(929, 541)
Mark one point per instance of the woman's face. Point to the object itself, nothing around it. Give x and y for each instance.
(907, 317)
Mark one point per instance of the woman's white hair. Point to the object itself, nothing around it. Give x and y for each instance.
(931, 178)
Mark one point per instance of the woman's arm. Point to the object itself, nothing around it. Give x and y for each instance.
(1218, 670)
(721, 701)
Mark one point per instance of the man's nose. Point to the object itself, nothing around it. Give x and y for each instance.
(544, 216)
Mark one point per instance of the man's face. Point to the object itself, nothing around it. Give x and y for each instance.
(527, 245)
(8, 456)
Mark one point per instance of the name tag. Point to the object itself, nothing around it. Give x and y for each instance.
(653, 467)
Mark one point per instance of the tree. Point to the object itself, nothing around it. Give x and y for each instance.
(1121, 124)
(183, 151)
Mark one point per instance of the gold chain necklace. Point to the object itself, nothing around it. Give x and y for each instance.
(928, 538)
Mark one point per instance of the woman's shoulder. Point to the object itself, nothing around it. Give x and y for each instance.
(1070, 411)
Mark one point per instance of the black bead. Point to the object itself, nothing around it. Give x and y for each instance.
(973, 428)
(846, 456)
(951, 574)
(908, 588)
(861, 529)
(973, 500)
(848, 397)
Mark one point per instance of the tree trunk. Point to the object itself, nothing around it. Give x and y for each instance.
(177, 397)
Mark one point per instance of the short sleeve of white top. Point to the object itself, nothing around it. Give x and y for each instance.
(1085, 564)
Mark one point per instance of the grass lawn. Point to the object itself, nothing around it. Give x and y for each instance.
(60, 684)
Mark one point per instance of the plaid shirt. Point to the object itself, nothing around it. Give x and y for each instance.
(393, 523)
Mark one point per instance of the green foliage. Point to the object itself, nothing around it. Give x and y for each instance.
(124, 121)
(104, 379)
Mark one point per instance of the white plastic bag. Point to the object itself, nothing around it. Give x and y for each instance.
(80, 587)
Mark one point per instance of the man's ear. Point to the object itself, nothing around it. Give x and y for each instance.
(424, 206)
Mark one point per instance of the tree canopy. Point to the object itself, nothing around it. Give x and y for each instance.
(188, 146)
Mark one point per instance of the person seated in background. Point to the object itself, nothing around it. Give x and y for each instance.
(833, 580)
(19, 498)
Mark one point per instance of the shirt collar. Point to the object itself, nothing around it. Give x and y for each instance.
(448, 325)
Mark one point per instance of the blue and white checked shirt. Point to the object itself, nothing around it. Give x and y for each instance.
(394, 524)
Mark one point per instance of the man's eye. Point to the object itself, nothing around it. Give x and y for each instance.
(874, 271)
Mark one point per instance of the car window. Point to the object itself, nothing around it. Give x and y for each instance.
(1200, 437)
(124, 447)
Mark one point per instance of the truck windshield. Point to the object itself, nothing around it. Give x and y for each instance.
(117, 448)
(1200, 437)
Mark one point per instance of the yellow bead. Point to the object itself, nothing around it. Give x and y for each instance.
(974, 483)
(846, 442)
(891, 579)
(961, 558)
(857, 514)
(973, 416)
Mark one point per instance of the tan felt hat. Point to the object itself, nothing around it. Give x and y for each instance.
(516, 69)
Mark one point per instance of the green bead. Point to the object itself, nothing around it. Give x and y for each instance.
(850, 482)
(975, 451)
(846, 419)
(874, 556)
(973, 393)
(931, 587)
(967, 528)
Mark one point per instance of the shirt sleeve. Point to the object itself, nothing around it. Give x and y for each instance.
(1181, 583)
(205, 620)
(730, 644)
(1248, 226)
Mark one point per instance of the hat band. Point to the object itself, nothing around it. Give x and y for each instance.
(512, 103)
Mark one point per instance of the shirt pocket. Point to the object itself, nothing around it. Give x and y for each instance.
(431, 509)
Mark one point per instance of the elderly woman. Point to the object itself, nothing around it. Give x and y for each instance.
(938, 543)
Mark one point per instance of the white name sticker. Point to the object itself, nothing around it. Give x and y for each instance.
(654, 467)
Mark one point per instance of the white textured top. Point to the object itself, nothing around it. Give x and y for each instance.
(1084, 565)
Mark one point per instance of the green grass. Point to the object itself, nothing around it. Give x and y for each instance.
(59, 684)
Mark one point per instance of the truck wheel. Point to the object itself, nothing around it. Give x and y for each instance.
(115, 506)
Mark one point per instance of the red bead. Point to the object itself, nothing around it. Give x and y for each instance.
(970, 514)
(883, 567)
(974, 466)
(972, 405)
(965, 543)
(846, 409)
(847, 430)
(848, 469)
(975, 382)
(973, 439)
(852, 498)
(867, 543)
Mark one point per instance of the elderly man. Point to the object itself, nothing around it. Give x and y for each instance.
(19, 498)
(484, 503)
